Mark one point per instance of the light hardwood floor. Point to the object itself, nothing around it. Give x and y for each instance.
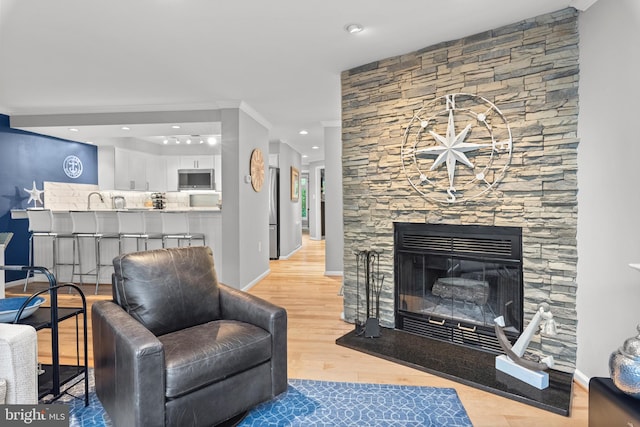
(314, 307)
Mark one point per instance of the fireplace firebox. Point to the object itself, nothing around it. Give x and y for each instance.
(452, 281)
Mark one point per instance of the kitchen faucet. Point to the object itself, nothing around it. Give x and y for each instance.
(89, 199)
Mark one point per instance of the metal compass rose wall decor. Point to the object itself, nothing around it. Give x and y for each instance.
(456, 148)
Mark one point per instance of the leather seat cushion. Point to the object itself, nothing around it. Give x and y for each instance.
(207, 353)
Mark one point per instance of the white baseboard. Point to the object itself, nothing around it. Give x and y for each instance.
(256, 280)
(334, 273)
(287, 256)
(581, 379)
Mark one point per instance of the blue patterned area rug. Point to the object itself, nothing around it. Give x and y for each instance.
(323, 403)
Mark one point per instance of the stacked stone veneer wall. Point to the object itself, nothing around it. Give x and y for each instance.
(530, 71)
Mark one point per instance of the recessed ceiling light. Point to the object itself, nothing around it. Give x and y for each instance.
(175, 127)
(73, 129)
(166, 141)
(304, 156)
(315, 147)
(212, 140)
(188, 141)
(125, 128)
(177, 141)
(201, 141)
(353, 28)
(303, 132)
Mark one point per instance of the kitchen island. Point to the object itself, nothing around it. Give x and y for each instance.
(207, 221)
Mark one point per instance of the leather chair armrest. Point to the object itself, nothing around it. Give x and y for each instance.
(242, 306)
(129, 367)
(239, 305)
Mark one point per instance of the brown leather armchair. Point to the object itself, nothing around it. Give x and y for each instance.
(177, 348)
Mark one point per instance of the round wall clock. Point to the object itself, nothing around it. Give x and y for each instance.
(456, 148)
(256, 167)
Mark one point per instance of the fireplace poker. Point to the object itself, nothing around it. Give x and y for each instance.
(370, 261)
(378, 289)
(372, 325)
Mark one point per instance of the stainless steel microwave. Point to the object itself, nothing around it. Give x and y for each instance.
(196, 179)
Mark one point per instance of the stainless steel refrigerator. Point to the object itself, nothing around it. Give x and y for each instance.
(274, 213)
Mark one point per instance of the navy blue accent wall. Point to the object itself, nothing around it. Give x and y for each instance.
(26, 157)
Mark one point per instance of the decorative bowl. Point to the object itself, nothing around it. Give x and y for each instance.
(624, 366)
(9, 308)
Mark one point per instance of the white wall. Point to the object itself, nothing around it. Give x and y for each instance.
(334, 229)
(245, 220)
(254, 206)
(315, 231)
(283, 157)
(608, 175)
(290, 211)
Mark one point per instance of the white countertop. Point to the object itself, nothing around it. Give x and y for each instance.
(22, 213)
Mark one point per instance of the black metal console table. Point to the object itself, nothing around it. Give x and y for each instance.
(56, 375)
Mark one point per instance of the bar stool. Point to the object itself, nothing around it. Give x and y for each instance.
(153, 226)
(175, 226)
(131, 225)
(85, 226)
(41, 224)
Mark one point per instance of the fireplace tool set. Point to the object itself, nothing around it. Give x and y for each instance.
(368, 270)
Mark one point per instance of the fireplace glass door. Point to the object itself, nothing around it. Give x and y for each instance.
(444, 285)
(470, 291)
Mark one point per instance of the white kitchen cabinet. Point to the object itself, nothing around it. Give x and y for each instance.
(106, 170)
(156, 173)
(172, 165)
(196, 162)
(130, 170)
(135, 170)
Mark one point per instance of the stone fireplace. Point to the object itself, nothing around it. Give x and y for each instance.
(452, 281)
(530, 71)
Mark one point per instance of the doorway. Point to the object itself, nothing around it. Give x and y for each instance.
(304, 199)
(322, 198)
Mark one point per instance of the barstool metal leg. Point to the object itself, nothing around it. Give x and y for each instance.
(144, 240)
(98, 263)
(76, 247)
(54, 249)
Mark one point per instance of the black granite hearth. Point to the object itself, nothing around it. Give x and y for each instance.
(475, 368)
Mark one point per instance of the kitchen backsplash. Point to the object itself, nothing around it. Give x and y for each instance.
(64, 196)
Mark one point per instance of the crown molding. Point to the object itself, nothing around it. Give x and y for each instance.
(249, 110)
(331, 124)
(582, 5)
(114, 109)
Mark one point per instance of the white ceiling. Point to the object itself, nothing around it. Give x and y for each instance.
(282, 58)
